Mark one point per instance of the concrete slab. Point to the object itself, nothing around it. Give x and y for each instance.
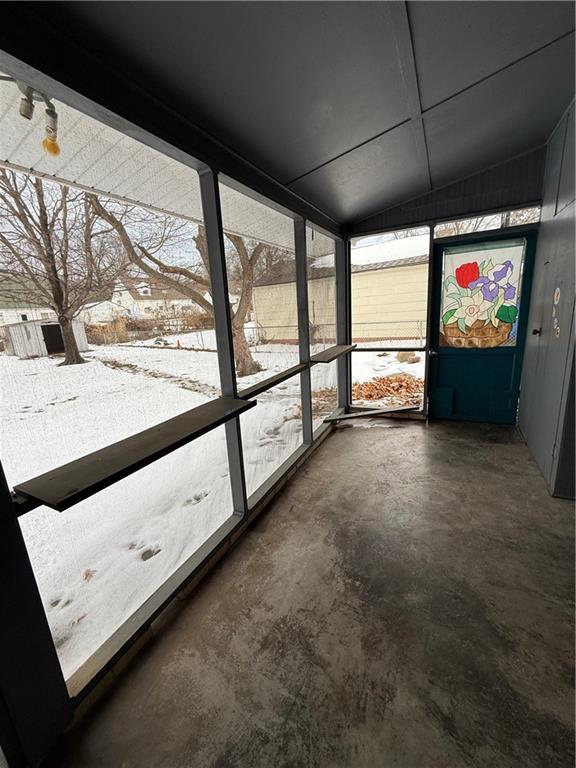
(407, 601)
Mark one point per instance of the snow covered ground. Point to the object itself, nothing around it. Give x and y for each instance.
(97, 562)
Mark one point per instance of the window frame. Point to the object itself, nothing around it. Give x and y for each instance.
(31, 671)
(401, 347)
(93, 669)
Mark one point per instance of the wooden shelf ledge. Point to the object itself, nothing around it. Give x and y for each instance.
(272, 381)
(67, 485)
(332, 353)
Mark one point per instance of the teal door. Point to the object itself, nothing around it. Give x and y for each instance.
(481, 295)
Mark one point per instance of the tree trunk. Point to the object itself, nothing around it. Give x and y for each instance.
(245, 363)
(72, 354)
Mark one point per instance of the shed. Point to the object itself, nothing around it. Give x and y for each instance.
(39, 338)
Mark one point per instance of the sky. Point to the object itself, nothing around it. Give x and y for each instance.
(379, 248)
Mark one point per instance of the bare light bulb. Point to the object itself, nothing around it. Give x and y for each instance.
(50, 143)
(51, 146)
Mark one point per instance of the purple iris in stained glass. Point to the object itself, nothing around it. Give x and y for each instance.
(497, 278)
(501, 273)
(489, 287)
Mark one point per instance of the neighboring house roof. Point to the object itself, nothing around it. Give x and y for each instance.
(286, 273)
(92, 304)
(24, 293)
(19, 293)
(406, 262)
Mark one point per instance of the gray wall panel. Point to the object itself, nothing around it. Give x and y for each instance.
(552, 171)
(564, 486)
(545, 408)
(566, 185)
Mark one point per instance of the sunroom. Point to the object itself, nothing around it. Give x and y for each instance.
(302, 493)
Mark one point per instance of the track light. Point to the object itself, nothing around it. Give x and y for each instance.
(26, 110)
(27, 104)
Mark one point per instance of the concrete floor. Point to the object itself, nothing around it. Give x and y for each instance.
(406, 602)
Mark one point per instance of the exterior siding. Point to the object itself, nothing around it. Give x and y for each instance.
(25, 340)
(322, 310)
(386, 303)
(275, 310)
(390, 303)
(14, 314)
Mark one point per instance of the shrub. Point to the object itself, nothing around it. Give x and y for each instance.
(114, 332)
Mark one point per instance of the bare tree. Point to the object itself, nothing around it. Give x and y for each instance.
(490, 221)
(522, 216)
(53, 250)
(150, 242)
(402, 234)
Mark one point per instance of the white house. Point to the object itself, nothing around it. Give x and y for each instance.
(18, 302)
(102, 312)
(142, 299)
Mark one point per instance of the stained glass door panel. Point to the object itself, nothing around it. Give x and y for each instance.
(481, 294)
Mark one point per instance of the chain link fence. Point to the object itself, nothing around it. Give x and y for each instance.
(401, 333)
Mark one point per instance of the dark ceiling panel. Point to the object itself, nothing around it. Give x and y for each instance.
(290, 86)
(379, 174)
(287, 85)
(458, 44)
(516, 183)
(504, 116)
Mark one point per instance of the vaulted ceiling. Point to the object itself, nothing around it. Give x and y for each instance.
(355, 106)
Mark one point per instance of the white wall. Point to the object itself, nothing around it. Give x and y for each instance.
(14, 315)
(25, 340)
(103, 312)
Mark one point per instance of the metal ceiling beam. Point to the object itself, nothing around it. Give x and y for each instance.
(405, 51)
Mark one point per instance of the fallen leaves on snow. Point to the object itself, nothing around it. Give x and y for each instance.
(396, 389)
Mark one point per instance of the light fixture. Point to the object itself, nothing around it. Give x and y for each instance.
(26, 110)
(27, 104)
(50, 143)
